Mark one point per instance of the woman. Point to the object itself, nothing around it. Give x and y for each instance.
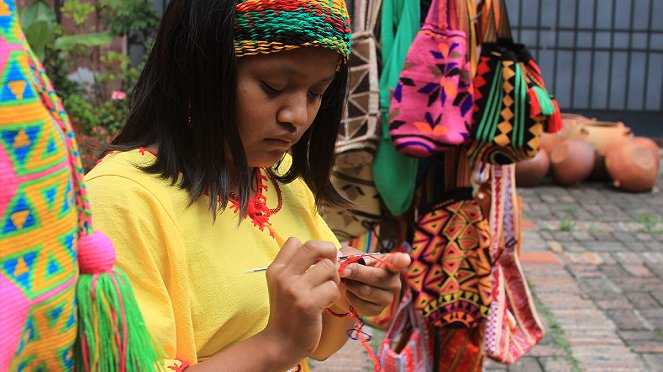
(234, 118)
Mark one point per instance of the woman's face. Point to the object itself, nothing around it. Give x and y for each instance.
(278, 97)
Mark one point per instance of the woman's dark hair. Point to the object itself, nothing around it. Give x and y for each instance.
(185, 102)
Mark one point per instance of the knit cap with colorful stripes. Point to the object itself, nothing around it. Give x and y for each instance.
(268, 26)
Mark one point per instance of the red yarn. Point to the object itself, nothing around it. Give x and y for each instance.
(95, 253)
(357, 332)
(555, 120)
(535, 107)
(337, 315)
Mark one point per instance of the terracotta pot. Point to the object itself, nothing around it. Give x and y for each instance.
(531, 172)
(572, 161)
(632, 166)
(570, 121)
(652, 146)
(549, 140)
(602, 134)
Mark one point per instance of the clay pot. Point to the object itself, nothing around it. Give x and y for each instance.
(531, 172)
(632, 165)
(570, 121)
(652, 146)
(602, 134)
(549, 140)
(572, 161)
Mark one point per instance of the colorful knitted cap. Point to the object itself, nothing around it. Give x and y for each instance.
(268, 26)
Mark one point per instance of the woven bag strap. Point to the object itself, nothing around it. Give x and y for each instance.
(373, 14)
(497, 204)
(366, 15)
(438, 14)
(456, 169)
(494, 21)
(472, 38)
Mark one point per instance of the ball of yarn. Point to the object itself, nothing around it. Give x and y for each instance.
(95, 253)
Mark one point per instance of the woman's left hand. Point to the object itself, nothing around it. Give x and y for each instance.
(371, 287)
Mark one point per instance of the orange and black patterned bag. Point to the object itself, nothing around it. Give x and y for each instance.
(450, 272)
(512, 106)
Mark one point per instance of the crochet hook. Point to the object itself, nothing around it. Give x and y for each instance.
(341, 258)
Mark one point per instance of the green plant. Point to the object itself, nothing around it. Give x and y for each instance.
(38, 23)
(650, 222)
(97, 107)
(570, 208)
(567, 224)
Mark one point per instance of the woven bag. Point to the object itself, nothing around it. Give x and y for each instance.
(395, 173)
(512, 106)
(431, 108)
(513, 326)
(359, 132)
(59, 293)
(406, 346)
(451, 262)
(356, 185)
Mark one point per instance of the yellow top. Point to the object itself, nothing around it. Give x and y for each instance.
(188, 273)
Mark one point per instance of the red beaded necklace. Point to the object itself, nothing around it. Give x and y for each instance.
(257, 209)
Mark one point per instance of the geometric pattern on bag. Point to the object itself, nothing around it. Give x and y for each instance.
(431, 108)
(512, 106)
(450, 272)
(513, 326)
(406, 346)
(356, 185)
(38, 212)
(360, 128)
(504, 127)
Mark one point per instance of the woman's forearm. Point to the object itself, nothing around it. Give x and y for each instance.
(334, 335)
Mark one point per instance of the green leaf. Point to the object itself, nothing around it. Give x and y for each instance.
(37, 11)
(38, 35)
(38, 22)
(89, 40)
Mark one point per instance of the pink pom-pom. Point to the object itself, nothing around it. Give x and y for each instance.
(95, 253)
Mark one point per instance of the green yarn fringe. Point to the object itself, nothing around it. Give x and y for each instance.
(546, 104)
(112, 335)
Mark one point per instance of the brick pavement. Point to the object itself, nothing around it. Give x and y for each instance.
(594, 259)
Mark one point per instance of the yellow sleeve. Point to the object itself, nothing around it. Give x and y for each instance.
(150, 250)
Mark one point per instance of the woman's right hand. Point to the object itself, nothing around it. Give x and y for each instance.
(298, 294)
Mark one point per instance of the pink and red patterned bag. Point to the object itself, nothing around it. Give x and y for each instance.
(431, 107)
(513, 326)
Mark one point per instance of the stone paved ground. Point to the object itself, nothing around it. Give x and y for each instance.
(594, 259)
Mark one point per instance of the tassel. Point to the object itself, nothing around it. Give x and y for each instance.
(534, 107)
(545, 103)
(535, 71)
(112, 335)
(554, 123)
